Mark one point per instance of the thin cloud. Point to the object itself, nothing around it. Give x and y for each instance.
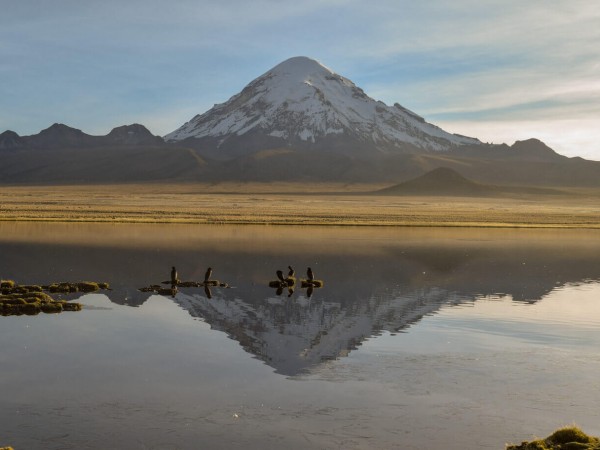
(462, 62)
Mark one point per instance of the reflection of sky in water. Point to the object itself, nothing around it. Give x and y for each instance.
(442, 341)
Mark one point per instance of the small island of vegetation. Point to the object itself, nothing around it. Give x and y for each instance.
(25, 299)
(568, 438)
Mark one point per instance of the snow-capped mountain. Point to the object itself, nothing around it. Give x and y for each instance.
(301, 103)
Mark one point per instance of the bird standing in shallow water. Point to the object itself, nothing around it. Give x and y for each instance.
(208, 274)
(174, 279)
(310, 274)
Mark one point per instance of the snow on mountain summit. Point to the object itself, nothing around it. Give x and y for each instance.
(300, 101)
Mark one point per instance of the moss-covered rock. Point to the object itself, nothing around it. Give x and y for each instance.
(11, 299)
(7, 284)
(51, 308)
(31, 302)
(62, 288)
(568, 438)
(88, 286)
(71, 306)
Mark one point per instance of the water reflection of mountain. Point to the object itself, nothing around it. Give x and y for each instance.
(293, 335)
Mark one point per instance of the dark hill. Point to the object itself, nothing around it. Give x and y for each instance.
(440, 181)
(60, 136)
(448, 182)
(134, 134)
(10, 140)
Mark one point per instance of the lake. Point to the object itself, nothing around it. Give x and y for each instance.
(419, 338)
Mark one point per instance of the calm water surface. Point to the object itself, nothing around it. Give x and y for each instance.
(419, 339)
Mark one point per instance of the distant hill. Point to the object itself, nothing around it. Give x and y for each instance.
(448, 182)
(440, 181)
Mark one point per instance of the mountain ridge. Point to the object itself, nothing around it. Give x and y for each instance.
(59, 135)
(299, 121)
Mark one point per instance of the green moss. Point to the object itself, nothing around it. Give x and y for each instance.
(103, 285)
(29, 297)
(51, 308)
(32, 303)
(7, 284)
(88, 286)
(11, 299)
(568, 438)
(569, 434)
(71, 306)
(30, 287)
(61, 288)
(31, 309)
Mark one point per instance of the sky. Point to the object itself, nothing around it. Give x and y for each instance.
(500, 71)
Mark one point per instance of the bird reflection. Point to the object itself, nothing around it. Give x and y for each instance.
(176, 283)
(310, 283)
(284, 282)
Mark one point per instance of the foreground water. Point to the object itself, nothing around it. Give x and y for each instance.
(419, 339)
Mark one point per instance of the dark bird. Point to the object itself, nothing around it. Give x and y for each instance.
(310, 274)
(174, 279)
(208, 274)
(291, 272)
(280, 275)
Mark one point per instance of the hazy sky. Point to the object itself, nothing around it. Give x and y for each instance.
(497, 70)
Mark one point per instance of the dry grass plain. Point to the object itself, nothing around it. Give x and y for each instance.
(290, 204)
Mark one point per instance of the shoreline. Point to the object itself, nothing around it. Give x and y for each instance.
(348, 223)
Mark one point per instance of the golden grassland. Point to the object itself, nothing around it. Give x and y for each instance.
(291, 204)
